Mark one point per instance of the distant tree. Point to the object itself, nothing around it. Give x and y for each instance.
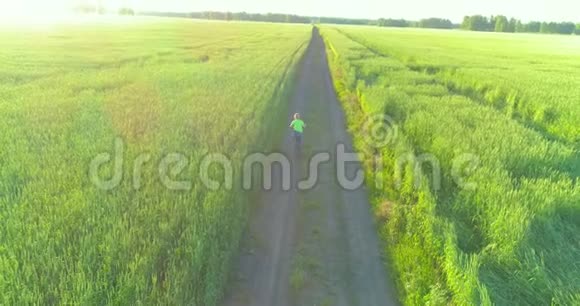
(533, 27)
(485, 24)
(243, 16)
(345, 21)
(545, 27)
(478, 23)
(126, 11)
(501, 24)
(466, 24)
(414, 24)
(520, 27)
(400, 23)
(577, 31)
(557, 27)
(240, 16)
(512, 25)
(566, 28)
(436, 23)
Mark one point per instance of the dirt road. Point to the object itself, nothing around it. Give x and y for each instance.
(318, 246)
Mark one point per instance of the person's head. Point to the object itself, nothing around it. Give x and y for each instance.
(296, 116)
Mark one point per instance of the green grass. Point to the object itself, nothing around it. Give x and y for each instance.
(510, 101)
(530, 78)
(297, 278)
(162, 86)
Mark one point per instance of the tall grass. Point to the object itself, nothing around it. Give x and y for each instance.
(161, 87)
(532, 78)
(508, 241)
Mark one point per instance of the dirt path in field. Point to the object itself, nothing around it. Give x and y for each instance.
(319, 246)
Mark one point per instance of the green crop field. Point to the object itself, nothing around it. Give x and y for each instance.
(531, 78)
(509, 105)
(470, 143)
(147, 88)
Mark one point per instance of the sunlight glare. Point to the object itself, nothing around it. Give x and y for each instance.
(32, 12)
(42, 12)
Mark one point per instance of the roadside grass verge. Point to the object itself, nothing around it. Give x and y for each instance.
(506, 240)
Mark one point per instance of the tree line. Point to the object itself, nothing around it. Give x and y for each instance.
(497, 23)
(501, 23)
(437, 23)
(433, 23)
(241, 16)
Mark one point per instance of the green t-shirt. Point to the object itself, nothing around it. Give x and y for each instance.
(298, 125)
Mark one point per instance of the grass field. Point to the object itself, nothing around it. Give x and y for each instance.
(531, 78)
(497, 113)
(161, 87)
(510, 104)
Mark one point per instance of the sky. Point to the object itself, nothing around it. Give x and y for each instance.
(526, 10)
